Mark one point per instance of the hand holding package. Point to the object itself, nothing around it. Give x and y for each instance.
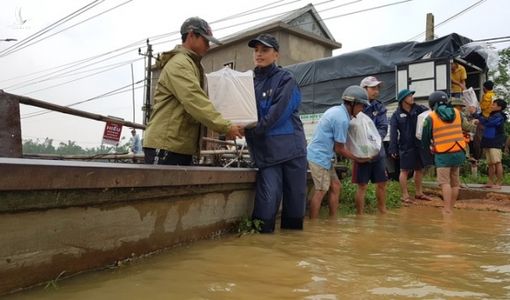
(233, 95)
(363, 139)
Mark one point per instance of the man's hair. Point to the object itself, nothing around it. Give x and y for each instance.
(489, 84)
(185, 35)
(501, 103)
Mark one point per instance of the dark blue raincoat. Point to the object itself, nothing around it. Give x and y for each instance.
(278, 147)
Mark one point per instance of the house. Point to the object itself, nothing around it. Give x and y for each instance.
(302, 35)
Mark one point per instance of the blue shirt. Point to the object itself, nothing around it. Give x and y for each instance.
(332, 127)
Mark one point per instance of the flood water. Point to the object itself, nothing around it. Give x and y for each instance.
(409, 253)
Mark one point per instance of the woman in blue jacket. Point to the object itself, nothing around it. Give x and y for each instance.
(277, 142)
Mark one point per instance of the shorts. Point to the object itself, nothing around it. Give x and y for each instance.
(493, 155)
(411, 160)
(374, 171)
(322, 177)
(448, 175)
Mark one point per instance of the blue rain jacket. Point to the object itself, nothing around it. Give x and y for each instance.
(278, 135)
(377, 112)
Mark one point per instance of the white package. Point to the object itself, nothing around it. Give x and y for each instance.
(470, 98)
(363, 139)
(420, 122)
(233, 95)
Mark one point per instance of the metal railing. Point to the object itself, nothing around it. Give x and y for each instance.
(229, 154)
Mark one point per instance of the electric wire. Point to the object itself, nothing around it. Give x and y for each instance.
(77, 79)
(117, 91)
(450, 18)
(51, 26)
(69, 27)
(17, 86)
(135, 45)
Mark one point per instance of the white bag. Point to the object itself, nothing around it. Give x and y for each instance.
(233, 95)
(420, 122)
(363, 139)
(470, 98)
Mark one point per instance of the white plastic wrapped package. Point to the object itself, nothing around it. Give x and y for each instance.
(363, 139)
(470, 98)
(420, 122)
(233, 95)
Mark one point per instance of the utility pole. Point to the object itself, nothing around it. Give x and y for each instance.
(148, 75)
(429, 27)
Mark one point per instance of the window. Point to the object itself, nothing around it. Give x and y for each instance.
(230, 64)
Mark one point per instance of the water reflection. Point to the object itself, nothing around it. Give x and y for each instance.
(411, 253)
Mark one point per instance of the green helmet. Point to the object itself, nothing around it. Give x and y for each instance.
(437, 97)
(356, 94)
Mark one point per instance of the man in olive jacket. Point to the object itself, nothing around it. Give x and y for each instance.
(180, 102)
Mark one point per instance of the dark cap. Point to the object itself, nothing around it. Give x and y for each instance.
(200, 26)
(489, 84)
(266, 40)
(403, 94)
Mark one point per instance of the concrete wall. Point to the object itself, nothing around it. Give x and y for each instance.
(65, 223)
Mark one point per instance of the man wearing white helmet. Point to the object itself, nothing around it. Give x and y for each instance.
(375, 169)
(330, 136)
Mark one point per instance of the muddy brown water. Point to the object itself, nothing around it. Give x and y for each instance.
(412, 252)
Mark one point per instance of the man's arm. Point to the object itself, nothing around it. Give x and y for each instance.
(342, 150)
(393, 147)
(426, 135)
(183, 82)
(381, 122)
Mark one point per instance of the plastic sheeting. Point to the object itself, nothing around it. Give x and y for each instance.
(323, 81)
(233, 95)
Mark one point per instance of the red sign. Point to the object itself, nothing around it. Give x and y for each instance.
(112, 133)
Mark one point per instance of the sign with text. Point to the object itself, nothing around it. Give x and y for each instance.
(112, 133)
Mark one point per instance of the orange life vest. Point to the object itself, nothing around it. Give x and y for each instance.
(447, 137)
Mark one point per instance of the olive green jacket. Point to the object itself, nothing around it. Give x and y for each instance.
(181, 105)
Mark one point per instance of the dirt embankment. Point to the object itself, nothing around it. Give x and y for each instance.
(488, 200)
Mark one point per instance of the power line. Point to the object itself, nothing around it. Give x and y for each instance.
(137, 44)
(450, 18)
(107, 94)
(493, 39)
(80, 78)
(132, 45)
(75, 66)
(69, 27)
(113, 66)
(65, 19)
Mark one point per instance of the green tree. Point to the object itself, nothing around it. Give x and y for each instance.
(70, 148)
(44, 147)
(502, 75)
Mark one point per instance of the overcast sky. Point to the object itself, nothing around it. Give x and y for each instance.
(134, 21)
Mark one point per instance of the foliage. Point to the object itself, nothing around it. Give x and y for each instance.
(249, 226)
(467, 177)
(502, 75)
(348, 203)
(70, 148)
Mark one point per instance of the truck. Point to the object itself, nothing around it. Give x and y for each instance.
(420, 66)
